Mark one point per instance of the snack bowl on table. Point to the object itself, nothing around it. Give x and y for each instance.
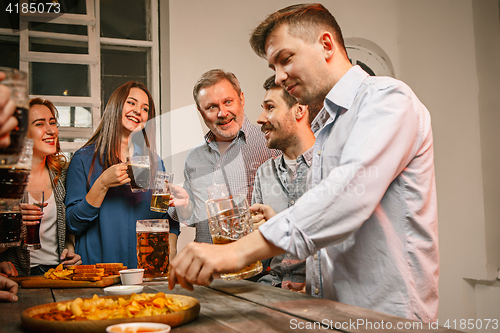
(131, 276)
(123, 290)
(139, 327)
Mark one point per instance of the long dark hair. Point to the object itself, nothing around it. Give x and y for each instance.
(57, 161)
(108, 135)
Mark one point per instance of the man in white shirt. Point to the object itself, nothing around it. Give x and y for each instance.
(368, 223)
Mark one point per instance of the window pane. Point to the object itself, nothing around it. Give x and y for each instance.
(119, 66)
(58, 28)
(9, 20)
(57, 46)
(9, 51)
(71, 116)
(72, 6)
(125, 19)
(59, 79)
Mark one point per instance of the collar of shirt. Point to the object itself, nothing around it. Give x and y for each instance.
(306, 157)
(341, 95)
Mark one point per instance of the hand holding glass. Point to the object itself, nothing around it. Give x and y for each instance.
(229, 220)
(162, 191)
(33, 204)
(138, 170)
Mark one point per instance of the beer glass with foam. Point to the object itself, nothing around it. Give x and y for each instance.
(138, 170)
(161, 191)
(229, 220)
(153, 248)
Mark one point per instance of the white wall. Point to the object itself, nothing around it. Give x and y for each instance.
(435, 47)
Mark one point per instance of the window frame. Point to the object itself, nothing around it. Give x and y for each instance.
(92, 59)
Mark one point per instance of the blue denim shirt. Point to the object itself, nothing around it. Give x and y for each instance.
(279, 187)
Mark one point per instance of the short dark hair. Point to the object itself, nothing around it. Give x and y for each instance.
(212, 77)
(271, 84)
(303, 20)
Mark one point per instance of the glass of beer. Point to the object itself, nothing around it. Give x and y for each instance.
(10, 224)
(153, 248)
(229, 220)
(161, 191)
(18, 83)
(34, 198)
(138, 170)
(13, 181)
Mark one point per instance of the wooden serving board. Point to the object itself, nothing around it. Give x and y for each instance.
(41, 282)
(99, 326)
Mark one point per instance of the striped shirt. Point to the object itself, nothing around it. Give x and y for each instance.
(235, 167)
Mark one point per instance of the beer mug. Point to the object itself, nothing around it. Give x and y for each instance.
(153, 248)
(10, 224)
(17, 81)
(161, 191)
(138, 170)
(229, 220)
(36, 198)
(13, 181)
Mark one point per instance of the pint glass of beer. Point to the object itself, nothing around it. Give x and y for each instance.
(153, 248)
(161, 191)
(229, 220)
(13, 181)
(138, 170)
(34, 198)
(17, 81)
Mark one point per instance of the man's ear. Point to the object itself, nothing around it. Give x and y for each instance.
(301, 111)
(328, 44)
(242, 99)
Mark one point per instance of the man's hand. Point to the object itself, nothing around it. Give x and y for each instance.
(8, 269)
(200, 263)
(261, 211)
(8, 290)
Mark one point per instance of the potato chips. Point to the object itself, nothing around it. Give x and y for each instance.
(96, 308)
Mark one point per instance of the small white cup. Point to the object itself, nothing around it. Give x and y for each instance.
(134, 327)
(131, 276)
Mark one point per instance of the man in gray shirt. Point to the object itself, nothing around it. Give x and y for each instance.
(232, 151)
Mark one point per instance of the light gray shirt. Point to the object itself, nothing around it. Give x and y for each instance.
(369, 220)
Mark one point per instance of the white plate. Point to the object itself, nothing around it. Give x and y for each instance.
(122, 290)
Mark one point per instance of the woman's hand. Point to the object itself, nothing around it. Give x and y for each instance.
(70, 258)
(114, 176)
(32, 214)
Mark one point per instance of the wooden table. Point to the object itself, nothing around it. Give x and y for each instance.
(239, 306)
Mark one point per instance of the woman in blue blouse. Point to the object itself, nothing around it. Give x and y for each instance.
(101, 209)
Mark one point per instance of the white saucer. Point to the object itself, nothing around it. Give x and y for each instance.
(123, 290)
